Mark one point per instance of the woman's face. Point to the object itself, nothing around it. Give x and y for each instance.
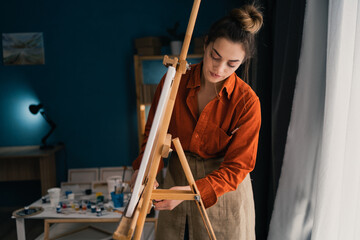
(221, 58)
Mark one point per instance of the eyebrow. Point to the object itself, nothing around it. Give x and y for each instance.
(221, 56)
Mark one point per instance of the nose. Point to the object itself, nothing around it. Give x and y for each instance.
(220, 67)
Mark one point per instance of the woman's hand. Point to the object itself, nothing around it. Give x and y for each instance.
(170, 204)
(133, 179)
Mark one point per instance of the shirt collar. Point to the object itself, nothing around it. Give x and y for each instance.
(229, 85)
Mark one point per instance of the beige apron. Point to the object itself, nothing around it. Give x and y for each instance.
(232, 217)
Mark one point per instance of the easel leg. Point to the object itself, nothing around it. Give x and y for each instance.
(191, 180)
(126, 227)
(145, 204)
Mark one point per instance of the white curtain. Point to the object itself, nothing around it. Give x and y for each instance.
(319, 188)
(337, 212)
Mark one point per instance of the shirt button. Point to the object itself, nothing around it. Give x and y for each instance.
(197, 136)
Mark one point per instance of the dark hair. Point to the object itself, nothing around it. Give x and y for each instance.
(240, 25)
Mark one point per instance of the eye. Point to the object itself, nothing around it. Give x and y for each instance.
(214, 57)
(232, 66)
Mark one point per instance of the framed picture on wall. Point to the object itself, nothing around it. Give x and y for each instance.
(23, 48)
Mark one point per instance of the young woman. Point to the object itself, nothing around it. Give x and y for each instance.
(217, 118)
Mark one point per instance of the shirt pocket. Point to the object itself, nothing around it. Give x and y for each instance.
(215, 139)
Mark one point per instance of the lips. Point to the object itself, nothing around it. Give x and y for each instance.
(214, 75)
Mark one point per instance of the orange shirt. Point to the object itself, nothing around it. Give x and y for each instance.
(228, 126)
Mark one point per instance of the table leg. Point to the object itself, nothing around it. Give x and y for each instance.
(46, 229)
(20, 228)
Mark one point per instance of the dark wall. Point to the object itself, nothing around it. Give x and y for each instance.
(87, 82)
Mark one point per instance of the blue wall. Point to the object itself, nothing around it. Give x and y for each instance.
(87, 82)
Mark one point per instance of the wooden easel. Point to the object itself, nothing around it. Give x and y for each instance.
(162, 148)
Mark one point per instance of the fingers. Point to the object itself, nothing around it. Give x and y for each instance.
(161, 205)
(166, 204)
(156, 184)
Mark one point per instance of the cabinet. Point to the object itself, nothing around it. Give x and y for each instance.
(148, 73)
(23, 163)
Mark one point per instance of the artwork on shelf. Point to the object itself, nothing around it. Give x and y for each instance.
(23, 48)
(79, 175)
(107, 172)
(75, 187)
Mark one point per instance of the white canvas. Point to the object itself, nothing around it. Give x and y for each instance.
(153, 136)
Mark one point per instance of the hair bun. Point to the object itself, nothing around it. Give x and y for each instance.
(249, 17)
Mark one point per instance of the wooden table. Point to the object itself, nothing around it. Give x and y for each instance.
(23, 163)
(75, 218)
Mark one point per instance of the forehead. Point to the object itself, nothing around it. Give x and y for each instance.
(228, 49)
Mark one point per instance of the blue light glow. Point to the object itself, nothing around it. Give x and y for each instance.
(18, 125)
(24, 116)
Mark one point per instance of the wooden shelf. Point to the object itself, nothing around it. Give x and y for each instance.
(160, 57)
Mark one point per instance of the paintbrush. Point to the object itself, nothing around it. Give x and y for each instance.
(117, 187)
(123, 180)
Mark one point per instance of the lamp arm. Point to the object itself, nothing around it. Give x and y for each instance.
(52, 125)
(48, 120)
(43, 140)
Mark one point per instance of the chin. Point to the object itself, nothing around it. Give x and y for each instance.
(215, 79)
(209, 77)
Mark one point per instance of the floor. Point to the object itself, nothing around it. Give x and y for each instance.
(8, 227)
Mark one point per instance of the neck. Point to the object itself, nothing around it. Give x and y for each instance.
(207, 85)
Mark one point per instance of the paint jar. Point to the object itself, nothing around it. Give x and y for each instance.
(58, 208)
(98, 212)
(26, 210)
(67, 192)
(100, 198)
(71, 196)
(93, 208)
(117, 199)
(54, 194)
(113, 182)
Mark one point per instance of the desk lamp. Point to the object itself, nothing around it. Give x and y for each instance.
(34, 109)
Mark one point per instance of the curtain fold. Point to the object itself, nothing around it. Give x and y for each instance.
(294, 205)
(287, 38)
(319, 189)
(274, 74)
(337, 212)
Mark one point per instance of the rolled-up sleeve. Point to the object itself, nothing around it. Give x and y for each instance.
(239, 159)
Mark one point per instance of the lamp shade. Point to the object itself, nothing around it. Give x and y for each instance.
(34, 109)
